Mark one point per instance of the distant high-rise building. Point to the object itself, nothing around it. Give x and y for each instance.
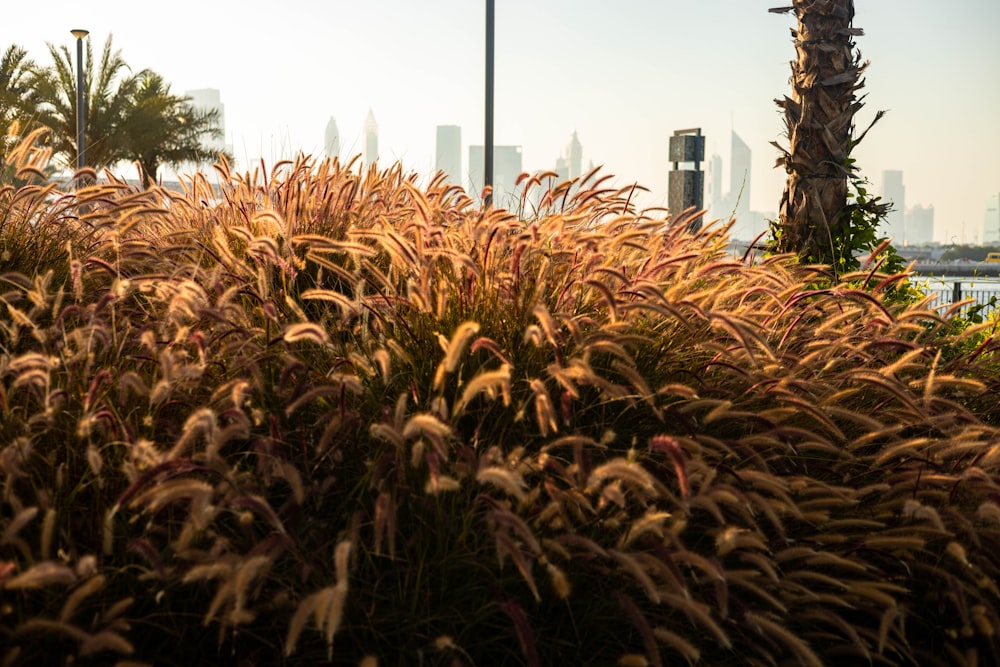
(919, 225)
(894, 191)
(686, 178)
(739, 179)
(715, 195)
(448, 153)
(562, 169)
(205, 99)
(991, 222)
(734, 204)
(371, 139)
(506, 169)
(574, 156)
(331, 142)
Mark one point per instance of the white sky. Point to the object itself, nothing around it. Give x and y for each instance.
(623, 75)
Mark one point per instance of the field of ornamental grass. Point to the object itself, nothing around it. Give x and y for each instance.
(325, 416)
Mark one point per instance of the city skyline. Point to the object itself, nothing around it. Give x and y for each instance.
(624, 80)
(905, 225)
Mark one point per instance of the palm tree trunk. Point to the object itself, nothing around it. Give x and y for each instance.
(813, 218)
(149, 166)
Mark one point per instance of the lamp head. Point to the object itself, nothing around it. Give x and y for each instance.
(80, 34)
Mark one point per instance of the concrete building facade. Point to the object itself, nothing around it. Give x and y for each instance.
(918, 225)
(991, 220)
(507, 167)
(574, 156)
(448, 152)
(713, 187)
(331, 139)
(894, 191)
(371, 139)
(740, 163)
(205, 99)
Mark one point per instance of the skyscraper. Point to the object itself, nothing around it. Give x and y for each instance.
(574, 156)
(919, 225)
(331, 143)
(991, 221)
(715, 195)
(506, 169)
(739, 179)
(562, 169)
(206, 99)
(448, 153)
(371, 139)
(893, 191)
(686, 179)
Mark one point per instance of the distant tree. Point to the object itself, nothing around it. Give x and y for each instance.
(129, 117)
(15, 92)
(164, 129)
(109, 91)
(16, 104)
(815, 219)
(973, 253)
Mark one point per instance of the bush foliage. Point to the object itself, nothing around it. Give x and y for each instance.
(319, 416)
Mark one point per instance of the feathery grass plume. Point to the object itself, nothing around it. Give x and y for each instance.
(506, 480)
(306, 331)
(490, 383)
(89, 587)
(770, 468)
(48, 533)
(15, 525)
(42, 574)
(431, 427)
(525, 635)
(454, 349)
(106, 640)
(44, 626)
(326, 607)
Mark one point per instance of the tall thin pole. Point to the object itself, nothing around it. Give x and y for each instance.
(488, 147)
(80, 111)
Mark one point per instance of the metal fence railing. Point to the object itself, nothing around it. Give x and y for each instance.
(985, 295)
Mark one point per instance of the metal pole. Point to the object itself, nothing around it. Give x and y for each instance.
(488, 144)
(80, 111)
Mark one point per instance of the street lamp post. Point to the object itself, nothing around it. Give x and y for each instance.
(488, 143)
(80, 111)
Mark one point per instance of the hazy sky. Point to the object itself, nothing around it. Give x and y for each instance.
(623, 75)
